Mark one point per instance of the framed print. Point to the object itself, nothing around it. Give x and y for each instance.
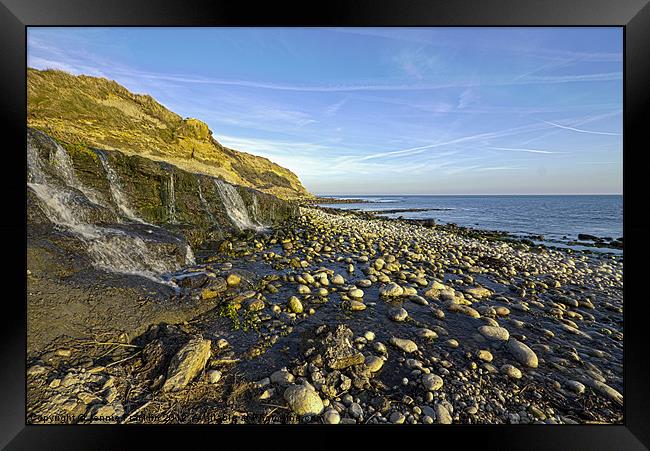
(366, 216)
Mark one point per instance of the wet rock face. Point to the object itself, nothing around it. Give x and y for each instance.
(192, 280)
(144, 212)
(158, 192)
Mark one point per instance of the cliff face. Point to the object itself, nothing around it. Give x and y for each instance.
(96, 112)
(130, 214)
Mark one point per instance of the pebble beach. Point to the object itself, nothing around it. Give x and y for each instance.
(343, 318)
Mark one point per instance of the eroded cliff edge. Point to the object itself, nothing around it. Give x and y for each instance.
(89, 111)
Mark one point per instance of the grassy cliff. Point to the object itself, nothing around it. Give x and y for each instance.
(96, 112)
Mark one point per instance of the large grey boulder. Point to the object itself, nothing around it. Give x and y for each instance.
(303, 400)
(495, 333)
(404, 344)
(522, 353)
(187, 364)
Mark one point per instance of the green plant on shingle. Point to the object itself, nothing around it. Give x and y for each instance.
(229, 310)
(250, 321)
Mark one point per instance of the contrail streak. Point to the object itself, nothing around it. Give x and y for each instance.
(580, 130)
(523, 150)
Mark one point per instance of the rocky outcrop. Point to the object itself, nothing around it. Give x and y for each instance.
(338, 351)
(95, 112)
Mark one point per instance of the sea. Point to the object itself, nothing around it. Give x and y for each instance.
(557, 218)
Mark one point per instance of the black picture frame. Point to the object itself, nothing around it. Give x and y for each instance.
(633, 15)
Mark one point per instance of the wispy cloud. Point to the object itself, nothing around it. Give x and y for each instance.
(342, 87)
(45, 63)
(285, 115)
(556, 63)
(373, 86)
(599, 57)
(295, 155)
(467, 104)
(467, 97)
(432, 37)
(571, 59)
(575, 121)
(599, 162)
(75, 64)
(418, 62)
(335, 107)
(478, 168)
(499, 168)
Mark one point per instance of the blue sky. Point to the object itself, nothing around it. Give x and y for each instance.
(383, 110)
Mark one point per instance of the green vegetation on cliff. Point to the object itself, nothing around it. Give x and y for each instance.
(96, 112)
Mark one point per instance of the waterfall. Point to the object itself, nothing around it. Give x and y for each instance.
(255, 213)
(64, 168)
(121, 201)
(35, 170)
(235, 206)
(189, 256)
(255, 208)
(64, 207)
(171, 201)
(116, 189)
(110, 248)
(205, 203)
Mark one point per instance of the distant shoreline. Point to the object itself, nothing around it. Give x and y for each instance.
(336, 200)
(590, 245)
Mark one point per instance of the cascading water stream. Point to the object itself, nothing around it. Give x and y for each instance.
(67, 203)
(190, 259)
(255, 208)
(235, 207)
(122, 203)
(116, 189)
(205, 203)
(171, 201)
(61, 161)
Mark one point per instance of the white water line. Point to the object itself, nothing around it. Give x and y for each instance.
(235, 206)
(171, 202)
(116, 189)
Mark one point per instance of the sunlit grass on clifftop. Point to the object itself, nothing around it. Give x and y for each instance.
(85, 111)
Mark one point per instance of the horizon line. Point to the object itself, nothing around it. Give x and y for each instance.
(469, 194)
